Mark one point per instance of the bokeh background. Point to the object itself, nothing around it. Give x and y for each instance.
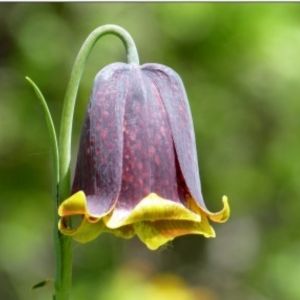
(241, 68)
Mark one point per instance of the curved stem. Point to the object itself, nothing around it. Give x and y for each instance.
(72, 89)
(64, 252)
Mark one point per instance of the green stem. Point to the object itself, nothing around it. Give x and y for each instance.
(63, 280)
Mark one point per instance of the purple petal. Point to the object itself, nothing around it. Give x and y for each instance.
(149, 155)
(99, 164)
(173, 95)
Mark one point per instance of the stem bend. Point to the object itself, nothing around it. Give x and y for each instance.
(65, 136)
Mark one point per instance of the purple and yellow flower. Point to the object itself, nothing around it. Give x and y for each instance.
(137, 170)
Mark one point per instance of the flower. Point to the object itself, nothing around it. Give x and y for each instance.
(137, 169)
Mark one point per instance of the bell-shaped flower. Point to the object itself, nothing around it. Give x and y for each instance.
(137, 170)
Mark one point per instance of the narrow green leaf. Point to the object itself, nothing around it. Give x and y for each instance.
(51, 127)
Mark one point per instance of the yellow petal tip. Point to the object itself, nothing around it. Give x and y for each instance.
(151, 208)
(223, 215)
(74, 205)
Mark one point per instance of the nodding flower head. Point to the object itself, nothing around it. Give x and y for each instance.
(137, 170)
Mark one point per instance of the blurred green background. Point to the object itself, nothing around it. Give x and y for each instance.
(241, 67)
